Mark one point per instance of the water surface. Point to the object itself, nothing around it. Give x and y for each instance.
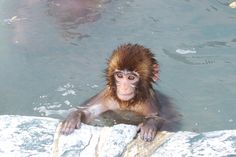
(53, 53)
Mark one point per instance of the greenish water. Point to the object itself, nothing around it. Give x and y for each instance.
(53, 52)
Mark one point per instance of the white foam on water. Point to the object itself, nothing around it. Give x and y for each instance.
(183, 52)
(92, 86)
(46, 104)
(69, 92)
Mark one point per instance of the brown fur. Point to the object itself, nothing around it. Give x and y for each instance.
(132, 57)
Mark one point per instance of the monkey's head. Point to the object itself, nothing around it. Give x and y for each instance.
(130, 73)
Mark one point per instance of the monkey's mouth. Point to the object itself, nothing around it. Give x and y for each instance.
(125, 97)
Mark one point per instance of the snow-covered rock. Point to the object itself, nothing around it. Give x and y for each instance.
(23, 136)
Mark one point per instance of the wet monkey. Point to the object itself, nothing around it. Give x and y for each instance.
(130, 74)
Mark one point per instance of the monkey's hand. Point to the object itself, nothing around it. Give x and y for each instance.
(148, 129)
(71, 123)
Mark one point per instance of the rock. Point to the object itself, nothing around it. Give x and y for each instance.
(26, 136)
(94, 141)
(139, 148)
(211, 144)
(39, 137)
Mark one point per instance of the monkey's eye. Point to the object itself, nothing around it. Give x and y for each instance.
(119, 75)
(131, 77)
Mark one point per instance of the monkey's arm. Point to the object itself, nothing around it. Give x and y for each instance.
(94, 107)
(152, 121)
(75, 118)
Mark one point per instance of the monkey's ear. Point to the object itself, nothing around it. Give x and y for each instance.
(155, 72)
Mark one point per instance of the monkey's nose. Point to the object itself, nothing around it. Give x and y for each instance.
(124, 86)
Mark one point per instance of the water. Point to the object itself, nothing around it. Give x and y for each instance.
(53, 53)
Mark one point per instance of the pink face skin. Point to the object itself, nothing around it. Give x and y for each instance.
(126, 82)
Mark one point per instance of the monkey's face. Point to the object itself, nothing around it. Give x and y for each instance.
(126, 82)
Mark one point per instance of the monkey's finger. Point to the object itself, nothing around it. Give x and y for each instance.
(68, 128)
(63, 127)
(153, 134)
(142, 134)
(78, 125)
(139, 127)
(148, 135)
(71, 127)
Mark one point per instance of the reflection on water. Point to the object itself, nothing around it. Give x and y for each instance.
(72, 13)
(53, 52)
(187, 53)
